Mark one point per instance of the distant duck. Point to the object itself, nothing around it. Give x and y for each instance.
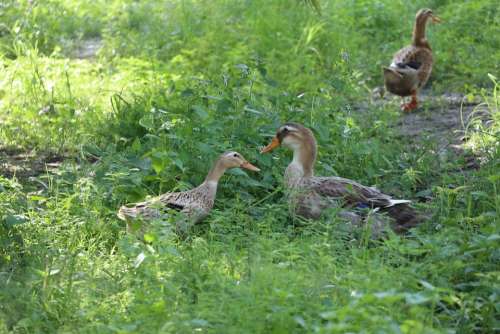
(309, 195)
(195, 204)
(411, 66)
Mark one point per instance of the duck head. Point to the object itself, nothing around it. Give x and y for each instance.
(301, 141)
(233, 159)
(228, 160)
(293, 136)
(421, 19)
(425, 14)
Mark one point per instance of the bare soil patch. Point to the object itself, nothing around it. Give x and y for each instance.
(447, 127)
(22, 164)
(444, 120)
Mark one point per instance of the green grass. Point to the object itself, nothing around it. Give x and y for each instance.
(176, 83)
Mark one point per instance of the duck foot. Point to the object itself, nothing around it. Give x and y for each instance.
(407, 107)
(412, 105)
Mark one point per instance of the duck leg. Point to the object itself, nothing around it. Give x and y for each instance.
(412, 105)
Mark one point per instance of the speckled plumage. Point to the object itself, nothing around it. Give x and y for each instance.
(412, 78)
(194, 204)
(309, 196)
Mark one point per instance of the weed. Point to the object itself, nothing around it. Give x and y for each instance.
(174, 84)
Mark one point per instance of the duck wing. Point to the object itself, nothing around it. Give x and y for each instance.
(415, 57)
(352, 193)
(155, 207)
(178, 201)
(357, 195)
(195, 203)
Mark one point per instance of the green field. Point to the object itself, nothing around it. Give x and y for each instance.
(104, 103)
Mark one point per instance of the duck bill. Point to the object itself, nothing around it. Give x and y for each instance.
(435, 19)
(249, 166)
(274, 143)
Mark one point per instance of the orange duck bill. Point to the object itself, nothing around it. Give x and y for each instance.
(249, 166)
(272, 145)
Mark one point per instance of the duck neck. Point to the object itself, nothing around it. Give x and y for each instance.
(419, 32)
(214, 175)
(302, 165)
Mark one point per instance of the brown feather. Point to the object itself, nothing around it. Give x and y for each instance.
(309, 195)
(195, 204)
(418, 52)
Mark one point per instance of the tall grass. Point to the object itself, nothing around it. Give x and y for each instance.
(178, 82)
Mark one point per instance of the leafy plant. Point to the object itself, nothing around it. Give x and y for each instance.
(176, 83)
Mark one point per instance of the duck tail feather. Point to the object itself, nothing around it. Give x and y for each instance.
(398, 201)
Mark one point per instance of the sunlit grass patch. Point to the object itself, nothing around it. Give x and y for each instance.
(59, 104)
(483, 130)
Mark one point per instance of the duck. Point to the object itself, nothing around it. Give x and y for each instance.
(309, 195)
(194, 204)
(411, 66)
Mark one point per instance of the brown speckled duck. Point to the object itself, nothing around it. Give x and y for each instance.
(310, 195)
(195, 203)
(412, 65)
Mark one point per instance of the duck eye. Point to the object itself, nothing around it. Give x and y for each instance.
(235, 155)
(285, 130)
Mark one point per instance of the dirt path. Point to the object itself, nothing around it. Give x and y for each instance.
(21, 164)
(447, 127)
(444, 119)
